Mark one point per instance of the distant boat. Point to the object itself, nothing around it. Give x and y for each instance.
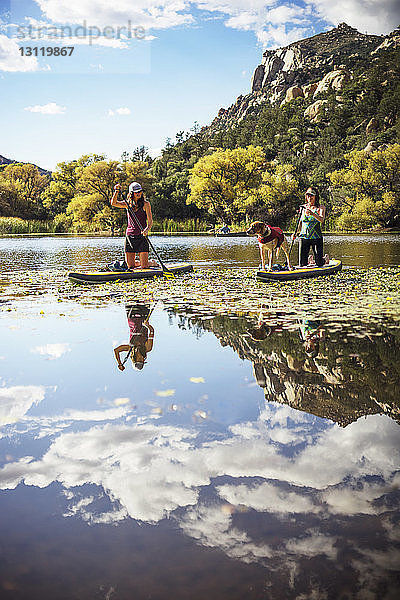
(232, 234)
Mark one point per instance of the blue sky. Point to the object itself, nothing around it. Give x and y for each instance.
(183, 61)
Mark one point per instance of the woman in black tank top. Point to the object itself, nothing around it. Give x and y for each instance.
(136, 233)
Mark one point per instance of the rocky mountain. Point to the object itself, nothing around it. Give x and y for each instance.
(8, 161)
(305, 68)
(5, 161)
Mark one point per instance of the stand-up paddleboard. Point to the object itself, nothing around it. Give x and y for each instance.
(105, 276)
(300, 272)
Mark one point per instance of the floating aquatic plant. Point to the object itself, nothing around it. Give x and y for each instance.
(372, 294)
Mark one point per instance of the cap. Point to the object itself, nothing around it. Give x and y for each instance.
(135, 187)
(138, 365)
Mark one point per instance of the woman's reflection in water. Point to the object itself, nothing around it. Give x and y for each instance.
(311, 332)
(141, 335)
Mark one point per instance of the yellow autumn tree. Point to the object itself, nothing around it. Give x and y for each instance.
(90, 207)
(221, 182)
(64, 183)
(369, 189)
(100, 177)
(23, 185)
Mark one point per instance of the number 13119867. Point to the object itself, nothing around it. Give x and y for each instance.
(49, 51)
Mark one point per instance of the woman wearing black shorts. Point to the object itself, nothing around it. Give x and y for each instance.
(136, 233)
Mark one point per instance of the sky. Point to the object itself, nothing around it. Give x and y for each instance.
(140, 71)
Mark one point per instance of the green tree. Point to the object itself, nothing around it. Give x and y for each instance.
(10, 203)
(275, 199)
(171, 188)
(141, 153)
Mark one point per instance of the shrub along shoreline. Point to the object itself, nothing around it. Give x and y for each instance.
(14, 226)
(18, 226)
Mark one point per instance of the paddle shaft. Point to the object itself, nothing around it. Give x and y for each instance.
(295, 229)
(134, 217)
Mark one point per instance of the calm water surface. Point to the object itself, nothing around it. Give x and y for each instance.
(38, 253)
(246, 458)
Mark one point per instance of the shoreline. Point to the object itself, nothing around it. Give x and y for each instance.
(104, 234)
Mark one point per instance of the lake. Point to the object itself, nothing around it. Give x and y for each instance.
(246, 444)
(64, 252)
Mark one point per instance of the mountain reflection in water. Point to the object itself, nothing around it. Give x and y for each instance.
(335, 372)
(287, 504)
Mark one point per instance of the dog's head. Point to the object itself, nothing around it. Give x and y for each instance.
(258, 228)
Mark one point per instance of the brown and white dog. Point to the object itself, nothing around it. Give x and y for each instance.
(269, 240)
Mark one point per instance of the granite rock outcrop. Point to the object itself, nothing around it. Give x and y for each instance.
(306, 69)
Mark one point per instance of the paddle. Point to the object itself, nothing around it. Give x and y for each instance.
(295, 229)
(166, 272)
(131, 348)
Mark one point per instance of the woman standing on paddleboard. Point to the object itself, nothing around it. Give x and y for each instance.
(312, 217)
(138, 228)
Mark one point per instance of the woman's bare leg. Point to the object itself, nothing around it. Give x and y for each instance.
(130, 259)
(144, 260)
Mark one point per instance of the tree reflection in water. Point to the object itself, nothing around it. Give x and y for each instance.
(338, 372)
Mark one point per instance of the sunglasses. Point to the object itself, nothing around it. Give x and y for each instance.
(310, 194)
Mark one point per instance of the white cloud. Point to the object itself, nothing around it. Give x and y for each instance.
(11, 59)
(123, 111)
(274, 24)
(268, 497)
(50, 426)
(108, 414)
(278, 36)
(277, 22)
(371, 16)
(212, 527)
(52, 351)
(17, 400)
(131, 463)
(149, 470)
(47, 109)
(313, 544)
(158, 14)
(356, 499)
(137, 462)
